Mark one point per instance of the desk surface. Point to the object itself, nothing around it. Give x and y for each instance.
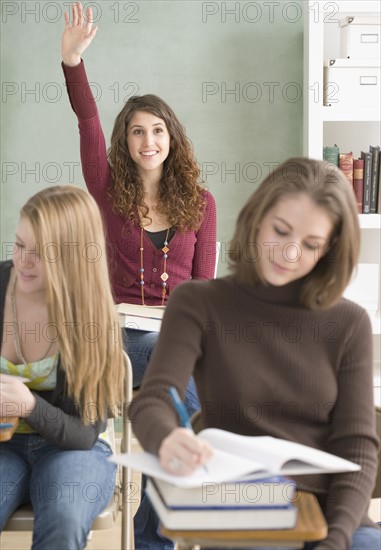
(310, 525)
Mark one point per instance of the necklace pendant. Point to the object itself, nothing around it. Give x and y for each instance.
(165, 249)
(164, 276)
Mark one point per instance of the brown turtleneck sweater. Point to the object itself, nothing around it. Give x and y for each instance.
(264, 364)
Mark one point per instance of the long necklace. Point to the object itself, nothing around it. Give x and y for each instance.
(164, 276)
(16, 336)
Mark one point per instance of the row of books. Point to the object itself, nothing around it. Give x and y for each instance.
(235, 491)
(363, 174)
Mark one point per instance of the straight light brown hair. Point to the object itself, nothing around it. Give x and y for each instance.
(328, 188)
(69, 234)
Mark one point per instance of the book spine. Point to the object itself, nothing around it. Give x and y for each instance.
(331, 154)
(375, 151)
(367, 181)
(358, 182)
(346, 165)
(379, 189)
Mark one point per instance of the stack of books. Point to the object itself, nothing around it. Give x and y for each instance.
(242, 504)
(208, 499)
(363, 174)
(138, 317)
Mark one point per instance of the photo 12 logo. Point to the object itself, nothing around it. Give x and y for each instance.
(52, 12)
(251, 92)
(267, 12)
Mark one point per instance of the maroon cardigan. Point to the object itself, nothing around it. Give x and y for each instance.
(191, 253)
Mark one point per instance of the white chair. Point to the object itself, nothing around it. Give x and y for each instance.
(218, 247)
(23, 518)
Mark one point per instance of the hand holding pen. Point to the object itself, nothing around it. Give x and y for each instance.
(182, 452)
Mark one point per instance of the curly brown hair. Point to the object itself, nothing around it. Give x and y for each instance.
(180, 191)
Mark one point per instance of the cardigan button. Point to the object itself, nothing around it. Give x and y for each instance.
(154, 269)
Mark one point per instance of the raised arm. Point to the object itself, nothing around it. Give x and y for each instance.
(75, 40)
(78, 35)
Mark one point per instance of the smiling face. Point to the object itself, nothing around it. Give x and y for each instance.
(148, 141)
(28, 263)
(292, 237)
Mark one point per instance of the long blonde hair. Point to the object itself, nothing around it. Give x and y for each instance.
(69, 234)
(327, 187)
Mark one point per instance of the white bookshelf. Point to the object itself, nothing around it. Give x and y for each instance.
(352, 129)
(370, 221)
(321, 41)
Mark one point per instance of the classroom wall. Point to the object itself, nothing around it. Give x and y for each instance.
(232, 71)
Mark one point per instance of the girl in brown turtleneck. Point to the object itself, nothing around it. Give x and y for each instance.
(274, 348)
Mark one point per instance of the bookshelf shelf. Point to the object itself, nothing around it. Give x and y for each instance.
(360, 114)
(353, 129)
(360, 7)
(370, 221)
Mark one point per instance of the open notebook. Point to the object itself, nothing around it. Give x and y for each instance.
(233, 459)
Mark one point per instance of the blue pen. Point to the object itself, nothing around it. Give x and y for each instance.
(5, 425)
(180, 408)
(181, 411)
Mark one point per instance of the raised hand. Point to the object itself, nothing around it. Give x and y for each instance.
(77, 37)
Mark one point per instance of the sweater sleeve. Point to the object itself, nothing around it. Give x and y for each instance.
(172, 363)
(95, 166)
(353, 437)
(58, 420)
(204, 260)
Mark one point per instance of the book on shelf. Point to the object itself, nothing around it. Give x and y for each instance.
(358, 182)
(367, 180)
(379, 190)
(139, 317)
(220, 517)
(233, 459)
(375, 169)
(331, 154)
(264, 492)
(346, 165)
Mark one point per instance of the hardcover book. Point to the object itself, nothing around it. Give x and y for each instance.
(265, 492)
(358, 182)
(346, 165)
(374, 179)
(379, 191)
(226, 517)
(233, 459)
(140, 317)
(331, 154)
(367, 180)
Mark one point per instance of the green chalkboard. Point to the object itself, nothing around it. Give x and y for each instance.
(232, 71)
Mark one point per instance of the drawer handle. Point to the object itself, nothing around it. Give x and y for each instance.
(368, 80)
(369, 39)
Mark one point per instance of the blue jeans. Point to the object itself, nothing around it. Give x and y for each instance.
(364, 538)
(67, 489)
(139, 346)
